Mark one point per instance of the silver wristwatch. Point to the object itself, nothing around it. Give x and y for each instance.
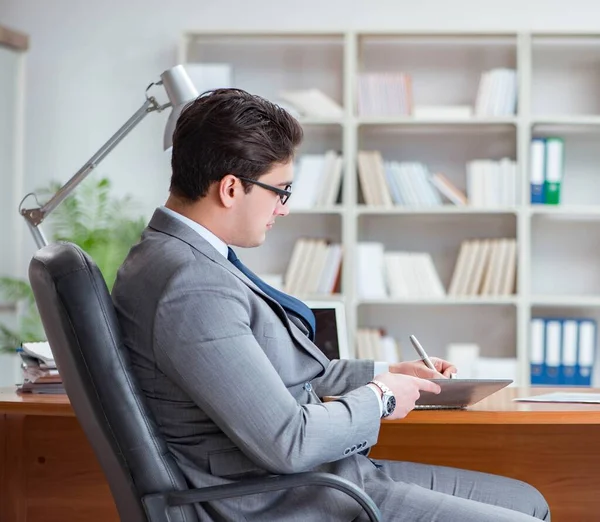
(388, 400)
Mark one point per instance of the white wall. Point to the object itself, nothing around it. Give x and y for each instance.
(90, 62)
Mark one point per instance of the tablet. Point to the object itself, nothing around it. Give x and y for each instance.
(460, 393)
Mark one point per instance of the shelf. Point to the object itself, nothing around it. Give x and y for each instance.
(557, 85)
(322, 297)
(438, 122)
(567, 121)
(442, 301)
(557, 301)
(444, 209)
(305, 121)
(319, 210)
(571, 212)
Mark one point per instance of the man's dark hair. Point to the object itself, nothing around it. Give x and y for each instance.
(229, 131)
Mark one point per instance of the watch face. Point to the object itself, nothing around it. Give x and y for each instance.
(390, 404)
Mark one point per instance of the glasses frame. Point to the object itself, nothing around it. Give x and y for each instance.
(284, 194)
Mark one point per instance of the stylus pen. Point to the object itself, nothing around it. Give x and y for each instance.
(423, 355)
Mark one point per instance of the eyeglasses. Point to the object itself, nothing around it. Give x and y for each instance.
(284, 194)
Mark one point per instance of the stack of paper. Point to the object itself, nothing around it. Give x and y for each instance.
(40, 374)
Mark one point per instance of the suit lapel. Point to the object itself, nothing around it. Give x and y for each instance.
(162, 222)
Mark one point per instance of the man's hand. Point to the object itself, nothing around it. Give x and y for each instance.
(418, 369)
(406, 389)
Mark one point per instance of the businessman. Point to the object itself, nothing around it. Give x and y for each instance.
(228, 365)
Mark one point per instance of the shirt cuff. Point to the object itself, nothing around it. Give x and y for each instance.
(377, 394)
(380, 367)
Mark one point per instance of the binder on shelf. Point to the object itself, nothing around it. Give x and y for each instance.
(554, 170)
(537, 170)
(553, 351)
(562, 351)
(587, 349)
(569, 367)
(537, 350)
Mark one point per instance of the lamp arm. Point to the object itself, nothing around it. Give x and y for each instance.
(35, 216)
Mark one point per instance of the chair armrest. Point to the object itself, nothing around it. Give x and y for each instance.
(156, 504)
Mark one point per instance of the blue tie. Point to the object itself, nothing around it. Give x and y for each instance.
(289, 303)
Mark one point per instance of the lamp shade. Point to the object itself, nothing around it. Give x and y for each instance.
(180, 91)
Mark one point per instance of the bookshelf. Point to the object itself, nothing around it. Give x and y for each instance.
(558, 78)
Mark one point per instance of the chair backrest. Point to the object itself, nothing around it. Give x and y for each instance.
(83, 331)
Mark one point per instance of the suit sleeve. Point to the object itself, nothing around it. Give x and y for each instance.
(343, 376)
(204, 343)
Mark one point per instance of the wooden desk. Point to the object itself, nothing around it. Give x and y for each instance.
(553, 447)
(48, 472)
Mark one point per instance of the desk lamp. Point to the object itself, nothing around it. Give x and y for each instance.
(179, 89)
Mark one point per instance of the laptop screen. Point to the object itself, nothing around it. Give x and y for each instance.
(326, 336)
(330, 335)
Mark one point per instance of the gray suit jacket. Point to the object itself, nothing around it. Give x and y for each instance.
(235, 384)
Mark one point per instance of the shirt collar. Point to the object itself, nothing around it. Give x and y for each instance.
(217, 243)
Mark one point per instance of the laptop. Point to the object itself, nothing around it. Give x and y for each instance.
(331, 335)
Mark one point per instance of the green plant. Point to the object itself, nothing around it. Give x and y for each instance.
(103, 225)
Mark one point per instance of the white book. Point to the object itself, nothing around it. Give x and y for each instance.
(313, 103)
(375, 342)
(365, 178)
(302, 277)
(331, 269)
(430, 275)
(467, 275)
(500, 267)
(331, 187)
(492, 267)
(384, 197)
(478, 273)
(447, 189)
(363, 344)
(294, 266)
(482, 94)
(317, 266)
(459, 267)
(370, 270)
(309, 181)
(389, 349)
(508, 283)
(395, 278)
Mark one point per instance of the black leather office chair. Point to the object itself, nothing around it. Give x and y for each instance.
(83, 332)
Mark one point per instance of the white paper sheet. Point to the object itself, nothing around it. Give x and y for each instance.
(590, 398)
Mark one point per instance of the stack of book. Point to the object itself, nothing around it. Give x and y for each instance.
(39, 370)
(314, 267)
(497, 93)
(411, 184)
(372, 343)
(492, 183)
(317, 180)
(385, 94)
(485, 267)
(399, 275)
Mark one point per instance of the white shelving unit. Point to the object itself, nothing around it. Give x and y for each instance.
(558, 85)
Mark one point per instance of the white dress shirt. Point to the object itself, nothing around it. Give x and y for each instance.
(221, 247)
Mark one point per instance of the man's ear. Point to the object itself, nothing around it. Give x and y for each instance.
(227, 189)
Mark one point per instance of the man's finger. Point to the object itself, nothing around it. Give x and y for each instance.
(450, 370)
(427, 373)
(429, 386)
